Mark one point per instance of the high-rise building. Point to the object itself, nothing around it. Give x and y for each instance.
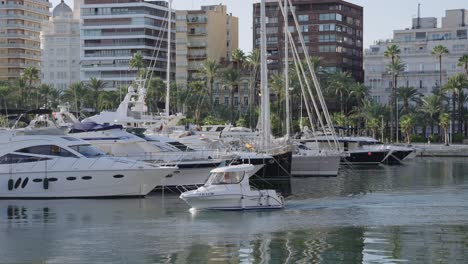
(20, 26)
(422, 69)
(332, 30)
(113, 31)
(60, 43)
(207, 33)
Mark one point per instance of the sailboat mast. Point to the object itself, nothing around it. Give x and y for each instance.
(286, 67)
(168, 67)
(264, 80)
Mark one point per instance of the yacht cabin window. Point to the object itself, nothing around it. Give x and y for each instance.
(16, 158)
(50, 150)
(88, 151)
(225, 178)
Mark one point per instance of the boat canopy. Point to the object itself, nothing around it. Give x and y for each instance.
(234, 168)
(91, 126)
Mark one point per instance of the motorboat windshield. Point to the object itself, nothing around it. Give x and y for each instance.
(218, 178)
(88, 151)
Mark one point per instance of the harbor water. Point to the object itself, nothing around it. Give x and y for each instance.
(414, 213)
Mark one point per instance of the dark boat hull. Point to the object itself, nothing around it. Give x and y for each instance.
(370, 157)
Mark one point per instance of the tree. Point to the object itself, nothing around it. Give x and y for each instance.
(395, 68)
(360, 92)
(238, 58)
(431, 106)
(339, 83)
(231, 77)
(372, 112)
(463, 62)
(373, 125)
(407, 124)
(439, 51)
(456, 84)
(253, 61)
(137, 62)
(31, 74)
(277, 86)
(393, 52)
(210, 69)
(77, 92)
(407, 95)
(444, 122)
(96, 86)
(155, 93)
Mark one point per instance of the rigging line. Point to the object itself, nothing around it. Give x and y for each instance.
(303, 71)
(296, 64)
(156, 50)
(316, 82)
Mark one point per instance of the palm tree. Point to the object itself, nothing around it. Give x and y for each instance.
(407, 95)
(137, 62)
(96, 86)
(339, 83)
(431, 106)
(253, 61)
(76, 93)
(407, 124)
(231, 77)
(463, 62)
(31, 74)
(393, 52)
(360, 92)
(372, 110)
(444, 122)
(439, 51)
(277, 85)
(238, 58)
(456, 84)
(210, 69)
(45, 91)
(395, 68)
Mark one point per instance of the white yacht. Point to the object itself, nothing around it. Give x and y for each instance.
(228, 188)
(308, 162)
(40, 166)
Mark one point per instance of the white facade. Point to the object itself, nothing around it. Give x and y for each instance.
(416, 44)
(111, 33)
(60, 44)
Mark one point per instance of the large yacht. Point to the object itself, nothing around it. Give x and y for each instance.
(45, 166)
(363, 150)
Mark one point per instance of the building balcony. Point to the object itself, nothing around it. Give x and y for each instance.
(196, 44)
(16, 65)
(196, 56)
(43, 2)
(20, 26)
(24, 17)
(196, 19)
(20, 56)
(20, 36)
(19, 46)
(26, 8)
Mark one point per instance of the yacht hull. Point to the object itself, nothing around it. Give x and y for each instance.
(233, 202)
(315, 165)
(80, 184)
(366, 157)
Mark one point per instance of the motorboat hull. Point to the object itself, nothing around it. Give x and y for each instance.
(315, 165)
(233, 202)
(80, 183)
(397, 156)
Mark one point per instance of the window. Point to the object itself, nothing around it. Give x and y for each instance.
(303, 18)
(327, 38)
(327, 27)
(304, 28)
(50, 150)
(328, 48)
(16, 158)
(226, 100)
(332, 16)
(236, 101)
(246, 100)
(216, 101)
(420, 35)
(225, 178)
(88, 151)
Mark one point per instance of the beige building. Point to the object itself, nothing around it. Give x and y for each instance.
(60, 42)
(416, 43)
(20, 27)
(200, 34)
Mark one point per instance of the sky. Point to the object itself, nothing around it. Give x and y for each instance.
(381, 17)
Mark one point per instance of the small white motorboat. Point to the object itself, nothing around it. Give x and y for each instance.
(228, 188)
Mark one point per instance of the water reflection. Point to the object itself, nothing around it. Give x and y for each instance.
(415, 213)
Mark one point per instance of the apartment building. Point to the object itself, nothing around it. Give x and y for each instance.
(20, 27)
(207, 33)
(422, 70)
(113, 31)
(60, 45)
(332, 30)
